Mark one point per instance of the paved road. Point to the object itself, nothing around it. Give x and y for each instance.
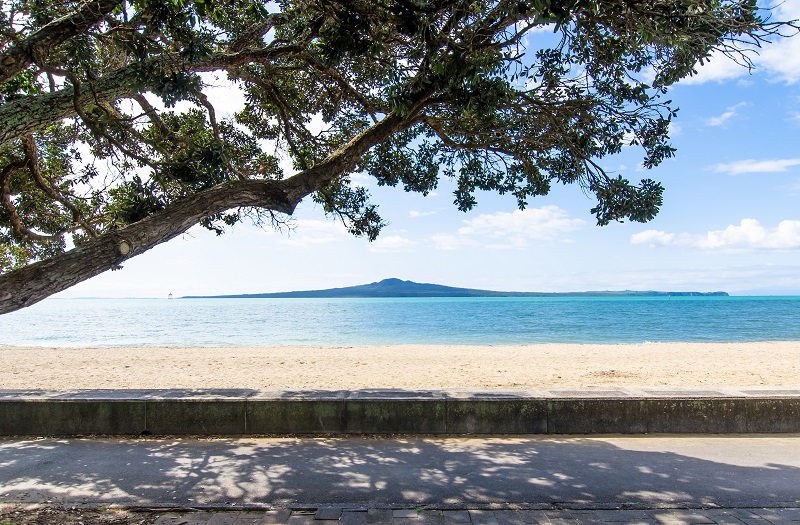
(565, 472)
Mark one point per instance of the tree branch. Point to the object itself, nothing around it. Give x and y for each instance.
(154, 117)
(256, 33)
(11, 210)
(284, 112)
(32, 157)
(29, 114)
(32, 283)
(37, 46)
(343, 83)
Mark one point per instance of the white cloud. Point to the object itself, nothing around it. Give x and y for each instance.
(227, 97)
(317, 125)
(780, 59)
(749, 234)
(653, 238)
(756, 166)
(392, 243)
(309, 232)
(415, 213)
(729, 113)
(510, 230)
(675, 130)
(628, 137)
(448, 242)
(646, 75)
(360, 179)
(545, 223)
(718, 68)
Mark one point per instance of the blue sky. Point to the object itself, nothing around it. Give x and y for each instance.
(730, 219)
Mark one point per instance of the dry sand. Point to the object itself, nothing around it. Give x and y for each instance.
(404, 366)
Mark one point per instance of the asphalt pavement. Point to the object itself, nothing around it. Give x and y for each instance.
(570, 472)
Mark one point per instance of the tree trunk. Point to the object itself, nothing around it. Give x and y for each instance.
(33, 283)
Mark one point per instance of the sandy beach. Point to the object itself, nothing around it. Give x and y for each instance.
(404, 366)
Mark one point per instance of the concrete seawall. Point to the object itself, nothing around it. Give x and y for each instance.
(544, 411)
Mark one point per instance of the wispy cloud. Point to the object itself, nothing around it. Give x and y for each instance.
(448, 242)
(309, 232)
(756, 166)
(516, 229)
(729, 113)
(749, 234)
(544, 223)
(415, 213)
(392, 243)
(767, 279)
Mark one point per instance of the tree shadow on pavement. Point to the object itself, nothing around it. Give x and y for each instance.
(643, 471)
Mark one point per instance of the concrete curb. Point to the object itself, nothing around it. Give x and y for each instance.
(541, 411)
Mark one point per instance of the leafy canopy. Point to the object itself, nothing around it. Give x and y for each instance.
(104, 119)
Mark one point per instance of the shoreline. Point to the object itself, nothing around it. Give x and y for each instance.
(4, 346)
(412, 367)
(338, 346)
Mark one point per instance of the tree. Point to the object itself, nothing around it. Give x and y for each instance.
(109, 143)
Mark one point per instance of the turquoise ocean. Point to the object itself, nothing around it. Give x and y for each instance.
(359, 322)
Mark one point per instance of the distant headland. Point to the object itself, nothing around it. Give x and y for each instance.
(400, 288)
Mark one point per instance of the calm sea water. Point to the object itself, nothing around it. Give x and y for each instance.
(345, 322)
